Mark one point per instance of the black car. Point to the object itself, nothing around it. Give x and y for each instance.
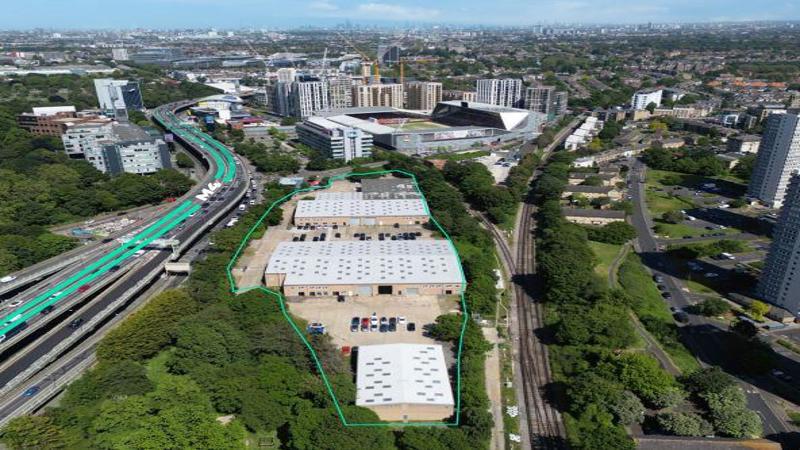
(340, 299)
(384, 328)
(114, 269)
(354, 323)
(75, 324)
(666, 295)
(46, 310)
(411, 326)
(392, 323)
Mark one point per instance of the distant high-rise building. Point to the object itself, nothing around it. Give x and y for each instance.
(286, 74)
(506, 92)
(560, 101)
(423, 95)
(120, 54)
(778, 157)
(641, 99)
(388, 54)
(307, 97)
(780, 279)
(116, 97)
(278, 98)
(340, 92)
(378, 95)
(469, 96)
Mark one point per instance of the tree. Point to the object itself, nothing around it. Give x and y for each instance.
(627, 408)
(758, 309)
(745, 329)
(708, 380)
(711, 307)
(644, 377)
(184, 161)
(729, 413)
(616, 233)
(673, 216)
(684, 424)
(30, 432)
(658, 126)
(651, 107)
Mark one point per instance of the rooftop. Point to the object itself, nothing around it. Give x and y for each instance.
(360, 208)
(402, 373)
(366, 262)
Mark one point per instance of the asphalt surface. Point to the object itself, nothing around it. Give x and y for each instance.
(703, 336)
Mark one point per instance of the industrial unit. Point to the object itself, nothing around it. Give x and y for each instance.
(404, 382)
(353, 209)
(364, 268)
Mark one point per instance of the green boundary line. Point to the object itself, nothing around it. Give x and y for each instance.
(317, 362)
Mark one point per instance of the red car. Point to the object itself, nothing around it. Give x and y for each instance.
(365, 324)
(84, 288)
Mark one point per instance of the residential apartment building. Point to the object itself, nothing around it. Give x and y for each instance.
(116, 97)
(778, 157)
(115, 148)
(278, 98)
(340, 92)
(423, 95)
(641, 99)
(780, 279)
(506, 92)
(746, 143)
(560, 99)
(307, 97)
(546, 100)
(367, 95)
(388, 54)
(286, 74)
(335, 140)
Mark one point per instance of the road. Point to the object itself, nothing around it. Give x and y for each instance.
(189, 218)
(703, 336)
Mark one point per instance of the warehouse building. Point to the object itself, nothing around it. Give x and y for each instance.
(364, 268)
(404, 382)
(353, 209)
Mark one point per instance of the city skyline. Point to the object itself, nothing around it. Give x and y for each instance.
(82, 14)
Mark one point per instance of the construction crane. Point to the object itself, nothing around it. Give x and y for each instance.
(367, 59)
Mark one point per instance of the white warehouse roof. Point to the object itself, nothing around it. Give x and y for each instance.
(366, 262)
(360, 208)
(402, 373)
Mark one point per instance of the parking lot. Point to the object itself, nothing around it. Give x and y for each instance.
(337, 316)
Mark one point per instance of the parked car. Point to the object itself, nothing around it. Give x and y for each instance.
(392, 324)
(658, 278)
(354, 322)
(365, 324)
(411, 326)
(666, 295)
(8, 279)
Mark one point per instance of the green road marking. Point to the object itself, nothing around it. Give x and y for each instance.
(60, 286)
(103, 269)
(317, 362)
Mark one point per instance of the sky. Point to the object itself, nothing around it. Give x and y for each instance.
(228, 14)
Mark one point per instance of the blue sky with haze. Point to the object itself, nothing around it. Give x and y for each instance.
(290, 13)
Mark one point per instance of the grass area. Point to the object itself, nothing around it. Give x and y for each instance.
(795, 417)
(653, 312)
(728, 183)
(606, 253)
(660, 202)
(788, 345)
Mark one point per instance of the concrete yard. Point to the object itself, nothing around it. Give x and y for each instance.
(421, 310)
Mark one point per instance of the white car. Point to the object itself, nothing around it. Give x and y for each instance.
(8, 279)
(711, 275)
(15, 303)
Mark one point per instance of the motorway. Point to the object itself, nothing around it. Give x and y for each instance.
(704, 337)
(104, 273)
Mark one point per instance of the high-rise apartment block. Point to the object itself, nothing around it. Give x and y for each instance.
(423, 95)
(546, 100)
(778, 157)
(780, 279)
(641, 99)
(378, 95)
(340, 92)
(307, 97)
(116, 97)
(506, 92)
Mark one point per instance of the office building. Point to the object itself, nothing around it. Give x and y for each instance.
(159, 56)
(116, 97)
(335, 140)
(364, 268)
(506, 92)
(278, 98)
(641, 99)
(48, 121)
(115, 148)
(340, 92)
(404, 382)
(307, 97)
(388, 54)
(780, 279)
(423, 95)
(778, 157)
(368, 95)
